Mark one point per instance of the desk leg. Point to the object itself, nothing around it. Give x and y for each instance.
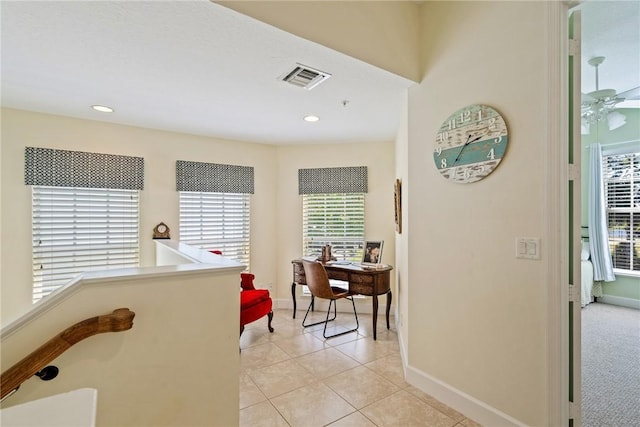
(375, 315)
(389, 296)
(293, 295)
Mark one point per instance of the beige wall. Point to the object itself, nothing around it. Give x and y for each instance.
(476, 319)
(381, 33)
(178, 366)
(477, 315)
(159, 199)
(402, 239)
(379, 225)
(276, 229)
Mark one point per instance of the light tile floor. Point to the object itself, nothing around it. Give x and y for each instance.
(294, 377)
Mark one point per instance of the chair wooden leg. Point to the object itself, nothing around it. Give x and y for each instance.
(270, 319)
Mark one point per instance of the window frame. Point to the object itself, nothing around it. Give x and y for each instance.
(70, 235)
(627, 201)
(348, 246)
(216, 230)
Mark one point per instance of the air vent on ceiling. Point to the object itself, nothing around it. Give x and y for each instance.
(305, 77)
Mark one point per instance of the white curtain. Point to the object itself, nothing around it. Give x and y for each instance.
(598, 233)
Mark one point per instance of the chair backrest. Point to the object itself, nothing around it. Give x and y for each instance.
(317, 279)
(246, 281)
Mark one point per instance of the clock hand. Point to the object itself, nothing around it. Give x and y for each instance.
(469, 141)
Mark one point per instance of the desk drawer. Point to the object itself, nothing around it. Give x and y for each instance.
(338, 275)
(298, 269)
(360, 288)
(298, 274)
(362, 279)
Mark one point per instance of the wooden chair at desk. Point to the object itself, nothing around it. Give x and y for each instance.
(319, 286)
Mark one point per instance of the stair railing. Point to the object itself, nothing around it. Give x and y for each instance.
(120, 320)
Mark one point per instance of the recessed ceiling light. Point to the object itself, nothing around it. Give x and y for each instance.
(311, 118)
(102, 108)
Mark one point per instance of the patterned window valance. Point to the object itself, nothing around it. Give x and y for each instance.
(64, 168)
(213, 177)
(333, 180)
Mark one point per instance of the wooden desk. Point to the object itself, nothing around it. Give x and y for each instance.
(363, 281)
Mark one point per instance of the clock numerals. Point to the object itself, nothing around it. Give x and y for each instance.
(466, 173)
(465, 116)
(470, 144)
(460, 174)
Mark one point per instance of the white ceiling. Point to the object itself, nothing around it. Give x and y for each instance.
(193, 67)
(197, 67)
(611, 29)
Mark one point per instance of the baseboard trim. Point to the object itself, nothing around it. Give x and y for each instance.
(621, 301)
(450, 396)
(469, 406)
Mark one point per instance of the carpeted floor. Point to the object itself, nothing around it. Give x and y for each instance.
(610, 366)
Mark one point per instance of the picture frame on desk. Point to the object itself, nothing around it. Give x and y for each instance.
(372, 252)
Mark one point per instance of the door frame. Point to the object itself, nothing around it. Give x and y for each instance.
(557, 173)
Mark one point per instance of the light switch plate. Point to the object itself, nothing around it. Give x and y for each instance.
(528, 247)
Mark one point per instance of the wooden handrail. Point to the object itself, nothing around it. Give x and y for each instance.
(120, 320)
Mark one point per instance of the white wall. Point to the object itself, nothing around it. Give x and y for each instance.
(477, 315)
(159, 199)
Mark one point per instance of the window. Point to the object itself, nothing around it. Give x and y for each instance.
(336, 219)
(622, 194)
(217, 221)
(75, 230)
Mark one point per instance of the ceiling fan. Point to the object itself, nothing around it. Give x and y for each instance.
(601, 103)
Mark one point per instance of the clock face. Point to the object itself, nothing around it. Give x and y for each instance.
(470, 144)
(162, 228)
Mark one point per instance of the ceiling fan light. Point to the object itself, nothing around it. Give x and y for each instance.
(616, 120)
(584, 126)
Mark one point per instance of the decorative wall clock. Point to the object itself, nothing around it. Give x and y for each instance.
(470, 144)
(161, 231)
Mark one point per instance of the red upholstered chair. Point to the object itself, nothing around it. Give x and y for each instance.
(254, 303)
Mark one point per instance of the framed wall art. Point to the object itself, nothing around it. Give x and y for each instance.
(397, 199)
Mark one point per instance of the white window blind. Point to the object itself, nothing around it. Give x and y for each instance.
(336, 219)
(622, 188)
(217, 221)
(75, 230)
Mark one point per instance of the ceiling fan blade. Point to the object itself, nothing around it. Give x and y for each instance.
(587, 99)
(631, 93)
